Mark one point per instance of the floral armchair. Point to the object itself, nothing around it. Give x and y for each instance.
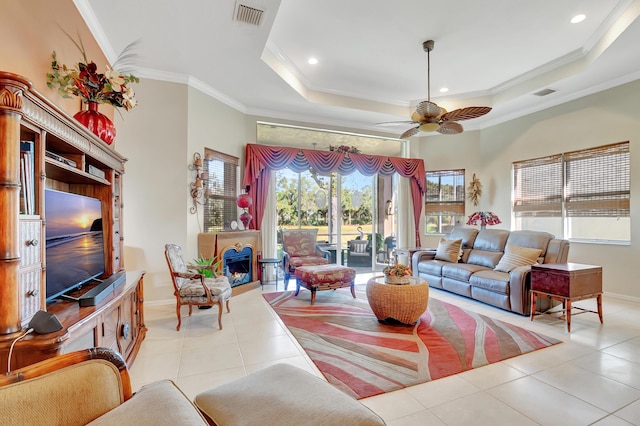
(194, 289)
(300, 248)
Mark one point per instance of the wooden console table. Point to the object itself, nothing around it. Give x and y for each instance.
(567, 283)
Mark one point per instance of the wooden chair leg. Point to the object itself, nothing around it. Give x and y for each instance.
(353, 290)
(179, 318)
(228, 310)
(190, 309)
(219, 303)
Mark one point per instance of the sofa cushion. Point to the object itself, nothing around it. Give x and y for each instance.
(532, 239)
(158, 403)
(467, 235)
(491, 240)
(486, 258)
(515, 256)
(497, 282)
(449, 250)
(460, 271)
(284, 395)
(431, 267)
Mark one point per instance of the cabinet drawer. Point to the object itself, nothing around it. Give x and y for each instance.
(30, 292)
(30, 242)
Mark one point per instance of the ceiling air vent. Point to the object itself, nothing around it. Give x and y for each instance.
(248, 14)
(544, 92)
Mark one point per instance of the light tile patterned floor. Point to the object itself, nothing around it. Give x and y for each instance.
(591, 378)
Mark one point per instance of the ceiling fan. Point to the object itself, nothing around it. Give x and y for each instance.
(429, 117)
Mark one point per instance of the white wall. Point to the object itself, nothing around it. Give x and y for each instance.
(215, 126)
(600, 119)
(159, 137)
(153, 138)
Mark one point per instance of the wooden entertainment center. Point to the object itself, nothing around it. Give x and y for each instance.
(28, 119)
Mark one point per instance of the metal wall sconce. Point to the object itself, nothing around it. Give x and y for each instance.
(197, 187)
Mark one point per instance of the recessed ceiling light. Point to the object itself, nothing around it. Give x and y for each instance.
(577, 18)
(312, 61)
(444, 90)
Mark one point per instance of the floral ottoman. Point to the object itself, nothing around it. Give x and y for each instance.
(324, 277)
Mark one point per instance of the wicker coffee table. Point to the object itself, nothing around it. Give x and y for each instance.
(394, 304)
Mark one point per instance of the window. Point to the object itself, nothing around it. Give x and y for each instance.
(581, 195)
(444, 200)
(220, 191)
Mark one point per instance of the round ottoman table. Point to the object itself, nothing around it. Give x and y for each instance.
(398, 303)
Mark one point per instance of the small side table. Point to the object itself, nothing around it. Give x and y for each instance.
(567, 283)
(263, 265)
(403, 303)
(408, 251)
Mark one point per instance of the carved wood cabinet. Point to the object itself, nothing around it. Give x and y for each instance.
(62, 153)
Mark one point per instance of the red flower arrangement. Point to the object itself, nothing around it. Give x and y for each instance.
(398, 270)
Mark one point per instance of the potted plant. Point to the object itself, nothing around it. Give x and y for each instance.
(208, 266)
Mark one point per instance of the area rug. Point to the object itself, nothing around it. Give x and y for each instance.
(364, 358)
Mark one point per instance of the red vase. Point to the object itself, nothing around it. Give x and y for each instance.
(246, 218)
(98, 123)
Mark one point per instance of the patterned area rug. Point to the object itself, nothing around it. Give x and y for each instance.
(364, 358)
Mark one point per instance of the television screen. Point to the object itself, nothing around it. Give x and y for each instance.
(74, 241)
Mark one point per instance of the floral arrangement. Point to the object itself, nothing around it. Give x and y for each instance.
(85, 81)
(485, 218)
(398, 270)
(345, 149)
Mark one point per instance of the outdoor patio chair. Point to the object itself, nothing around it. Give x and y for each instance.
(359, 253)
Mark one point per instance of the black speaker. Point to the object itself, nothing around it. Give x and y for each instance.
(44, 322)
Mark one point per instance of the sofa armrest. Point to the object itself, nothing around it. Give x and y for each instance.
(74, 388)
(420, 256)
(520, 292)
(557, 251)
(519, 285)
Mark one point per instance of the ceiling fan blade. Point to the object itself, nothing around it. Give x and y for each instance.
(396, 123)
(428, 109)
(465, 113)
(412, 131)
(450, 128)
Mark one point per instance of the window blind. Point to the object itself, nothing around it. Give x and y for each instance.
(537, 187)
(597, 182)
(220, 190)
(445, 192)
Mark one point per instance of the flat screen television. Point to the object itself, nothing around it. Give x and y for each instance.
(74, 241)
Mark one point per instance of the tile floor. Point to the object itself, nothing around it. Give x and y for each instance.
(592, 378)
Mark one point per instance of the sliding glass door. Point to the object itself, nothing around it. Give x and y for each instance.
(342, 208)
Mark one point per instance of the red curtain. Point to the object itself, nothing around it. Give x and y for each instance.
(260, 160)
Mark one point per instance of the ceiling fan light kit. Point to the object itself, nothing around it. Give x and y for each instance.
(429, 117)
